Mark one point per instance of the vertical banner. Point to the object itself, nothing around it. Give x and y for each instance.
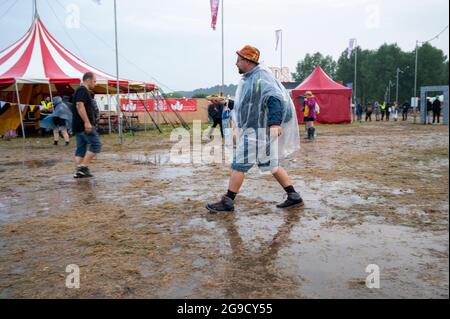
(278, 38)
(351, 47)
(214, 13)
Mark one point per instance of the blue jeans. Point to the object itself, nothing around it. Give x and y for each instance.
(244, 165)
(244, 168)
(91, 140)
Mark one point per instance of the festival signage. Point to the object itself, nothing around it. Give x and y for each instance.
(163, 105)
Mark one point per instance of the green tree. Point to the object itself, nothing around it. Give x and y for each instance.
(199, 96)
(432, 66)
(345, 71)
(376, 68)
(306, 66)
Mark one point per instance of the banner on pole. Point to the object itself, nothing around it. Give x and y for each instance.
(278, 38)
(214, 13)
(351, 46)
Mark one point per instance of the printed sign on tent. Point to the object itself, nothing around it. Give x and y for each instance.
(166, 105)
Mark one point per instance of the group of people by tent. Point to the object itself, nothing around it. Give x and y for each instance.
(37, 67)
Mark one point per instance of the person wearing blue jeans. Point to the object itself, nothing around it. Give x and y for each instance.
(83, 126)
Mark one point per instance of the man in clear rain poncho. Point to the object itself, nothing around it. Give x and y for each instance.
(267, 127)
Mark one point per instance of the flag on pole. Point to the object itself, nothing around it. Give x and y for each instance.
(214, 12)
(278, 37)
(351, 46)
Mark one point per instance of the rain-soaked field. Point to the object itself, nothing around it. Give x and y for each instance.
(375, 194)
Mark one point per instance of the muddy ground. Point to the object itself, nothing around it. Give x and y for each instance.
(375, 194)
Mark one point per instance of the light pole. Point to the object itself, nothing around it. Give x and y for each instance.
(415, 69)
(389, 90)
(119, 111)
(356, 72)
(416, 99)
(390, 85)
(397, 85)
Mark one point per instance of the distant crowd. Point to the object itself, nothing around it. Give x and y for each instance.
(388, 111)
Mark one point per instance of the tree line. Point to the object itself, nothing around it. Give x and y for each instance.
(378, 68)
(203, 93)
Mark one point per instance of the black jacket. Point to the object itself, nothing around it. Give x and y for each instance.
(436, 105)
(215, 111)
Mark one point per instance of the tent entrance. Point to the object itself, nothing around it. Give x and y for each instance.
(423, 102)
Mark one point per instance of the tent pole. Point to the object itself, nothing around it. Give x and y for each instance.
(145, 104)
(20, 112)
(50, 91)
(129, 102)
(109, 107)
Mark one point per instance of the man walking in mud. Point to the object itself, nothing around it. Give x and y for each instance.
(268, 130)
(83, 126)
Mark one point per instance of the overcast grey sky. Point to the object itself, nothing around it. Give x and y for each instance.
(172, 41)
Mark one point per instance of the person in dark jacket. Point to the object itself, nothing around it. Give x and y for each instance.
(359, 112)
(405, 110)
(215, 111)
(437, 110)
(388, 110)
(369, 111)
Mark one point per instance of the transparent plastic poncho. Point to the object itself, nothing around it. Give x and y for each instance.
(255, 144)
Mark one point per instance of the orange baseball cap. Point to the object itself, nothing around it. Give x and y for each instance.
(249, 53)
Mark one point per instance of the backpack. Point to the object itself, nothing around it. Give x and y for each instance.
(317, 108)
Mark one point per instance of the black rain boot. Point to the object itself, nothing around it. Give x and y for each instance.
(310, 137)
(313, 133)
(307, 134)
(225, 205)
(293, 200)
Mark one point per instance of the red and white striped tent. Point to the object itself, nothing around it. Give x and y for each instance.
(38, 58)
(38, 62)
